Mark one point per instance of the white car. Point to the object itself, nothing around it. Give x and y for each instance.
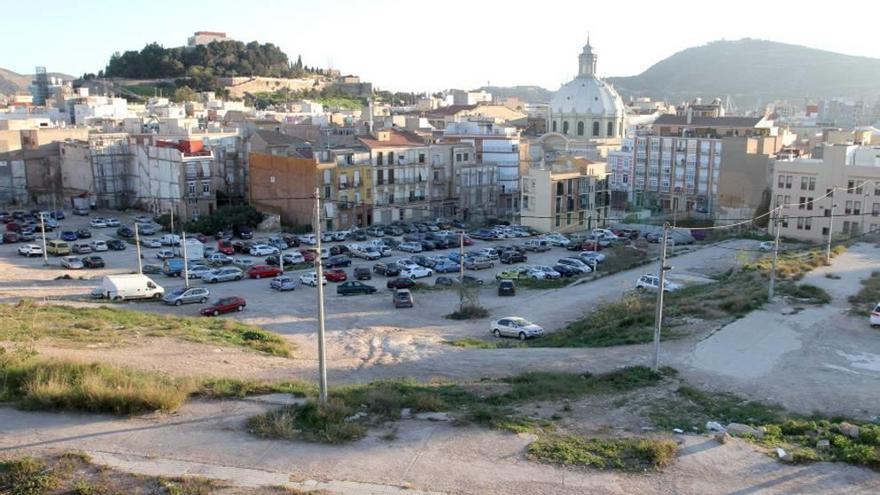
(98, 246)
(576, 264)
(311, 278)
(243, 262)
(875, 316)
(589, 257)
(308, 239)
(151, 243)
(143, 219)
(198, 271)
(549, 273)
(30, 250)
(514, 326)
(410, 247)
(219, 259)
(165, 254)
(98, 222)
(263, 250)
(112, 222)
(652, 282)
(416, 272)
(558, 239)
(766, 246)
(72, 263)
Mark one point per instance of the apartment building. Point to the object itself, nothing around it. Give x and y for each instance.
(845, 184)
(567, 195)
(179, 176)
(401, 171)
(695, 164)
(100, 167)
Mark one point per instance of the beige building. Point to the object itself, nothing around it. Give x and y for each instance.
(569, 195)
(851, 171)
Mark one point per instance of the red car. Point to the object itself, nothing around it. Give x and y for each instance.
(590, 246)
(13, 227)
(225, 247)
(308, 254)
(336, 275)
(261, 271)
(10, 237)
(468, 241)
(224, 305)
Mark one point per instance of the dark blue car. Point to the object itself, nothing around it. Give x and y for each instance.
(68, 235)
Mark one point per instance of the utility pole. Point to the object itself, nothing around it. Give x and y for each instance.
(461, 270)
(43, 228)
(775, 255)
(185, 261)
(830, 231)
(137, 245)
(319, 283)
(172, 217)
(658, 315)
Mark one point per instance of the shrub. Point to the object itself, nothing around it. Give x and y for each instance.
(26, 476)
(311, 422)
(469, 312)
(628, 454)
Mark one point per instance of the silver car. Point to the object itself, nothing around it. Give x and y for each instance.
(72, 263)
(514, 326)
(223, 275)
(283, 283)
(197, 271)
(183, 295)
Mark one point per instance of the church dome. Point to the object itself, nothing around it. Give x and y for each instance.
(588, 97)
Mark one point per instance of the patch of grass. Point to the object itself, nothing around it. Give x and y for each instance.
(26, 476)
(794, 265)
(690, 408)
(806, 293)
(310, 422)
(863, 302)
(544, 284)
(627, 321)
(627, 454)
(472, 343)
(190, 485)
(215, 388)
(27, 320)
(546, 385)
(42, 384)
(469, 312)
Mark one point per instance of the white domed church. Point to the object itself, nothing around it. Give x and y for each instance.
(586, 112)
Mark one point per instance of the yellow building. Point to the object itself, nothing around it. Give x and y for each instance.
(569, 195)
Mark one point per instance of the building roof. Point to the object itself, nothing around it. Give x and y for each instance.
(668, 119)
(397, 138)
(273, 138)
(450, 110)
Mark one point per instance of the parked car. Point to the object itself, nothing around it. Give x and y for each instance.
(215, 258)
(339, 249)
(652, 282)
(311, 278)
(148, 229)
(143, 219)
(512, 256)
(558, 239)
(150, 243)
(308, 239)
(766, 246)
(388, 270)
(537, 245)
(447, 267)
(99, 246)
(224, 274)
(224, 305)
(116, 245)
(576, 264)
(197, 271)
(170, 240)
(506, 288)
(289, 259)
(354, 287)
(68, 235)
(26, 235)
(72, 263)
(164, 254)
(112, 222)
(11, 237)
(263, 271)
(283, 283)
(444, 281)
(400, 283)
(125, 232)
(875, 316)
(97, 223)
(225, 246)
(151, 269)
(184, 295)
(513, 274)
(57, 247)
(410, 247)
(591, 257)
(337, 261)
(58, 215)
(566, 271)
(30, 250)
(245, 263)
(362, 273)
(549, 273)
(424, 261)
(244, 232)
(93, 262)
(416, 271)
(403, 298)
(81, 248)
(263, 250)
(336, 275)
(514, 326)
(478, 263)
(83, 234)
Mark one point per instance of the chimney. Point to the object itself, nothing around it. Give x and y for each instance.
(690, 114)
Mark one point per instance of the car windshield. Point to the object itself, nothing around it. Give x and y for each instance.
(178, 292)
(520, 322)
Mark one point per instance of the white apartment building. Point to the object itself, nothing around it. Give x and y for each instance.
(851, 171)
(401, 171)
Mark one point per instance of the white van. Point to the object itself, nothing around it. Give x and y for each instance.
(123, 287)
(170, 240)
(537, 245)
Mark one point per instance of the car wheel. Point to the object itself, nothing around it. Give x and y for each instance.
(216, 313)
(522, 336)
(257, 276)
(237, 278)
(203, 300)
(117, 298)
(178, 302)
(640, 289)
(497, 333)
(240, 308)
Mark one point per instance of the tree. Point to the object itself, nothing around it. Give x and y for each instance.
(184, 93)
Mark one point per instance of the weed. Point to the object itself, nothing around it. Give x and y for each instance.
(627, 454)
(312, 422)
(469, 312)
(472, 343)
(806, 293)
(215, 388)
(866, 298)
(26, 476)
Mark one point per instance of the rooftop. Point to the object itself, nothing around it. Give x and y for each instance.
(397, 138)
(668, 119)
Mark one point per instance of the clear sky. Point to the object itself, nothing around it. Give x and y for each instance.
(427, 45)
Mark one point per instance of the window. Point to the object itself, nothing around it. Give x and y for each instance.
(848, 208)
(564, 131)
(467, 156)
(810, 204)
(850, 185)
(875, 209)
(191, 187)
(581, 217)
(560, 188)
(788, 182)
(846, 227)
(812, 185)
(785, 222)
(391, 176)
(808, 223)
(781, 181)
(421, 158)
(580, 128)
(558, 219)
(804, 182)
(553, 125)
(802, 203)
(610, 129)
(568, 218)
(857, 208)
(326, 192)
(824, 230)
(800, 223)
(206, 187)
(380, 177)
(379, 158)
(458, 157)
(859, 190)
(595, 128)
(778, 200)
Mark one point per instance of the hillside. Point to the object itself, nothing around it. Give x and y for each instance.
(528, 94)
(752, 70)
(10, 82)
